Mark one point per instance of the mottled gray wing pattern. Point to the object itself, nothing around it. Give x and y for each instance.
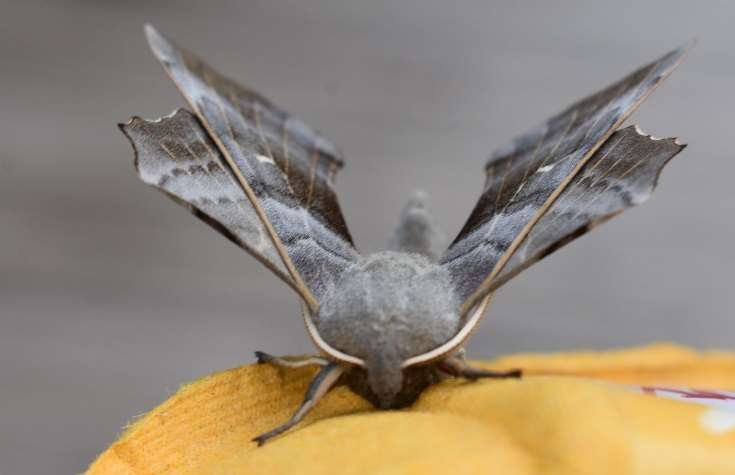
(284, 168)
(525, 177)
(175, 155)
(621, 174)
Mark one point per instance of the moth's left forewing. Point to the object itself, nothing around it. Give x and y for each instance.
(525, 179)
(285, 168)
(527, 176)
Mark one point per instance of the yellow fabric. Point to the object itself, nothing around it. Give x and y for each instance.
(563, 417)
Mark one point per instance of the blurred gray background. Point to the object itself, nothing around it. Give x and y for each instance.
(111, 296)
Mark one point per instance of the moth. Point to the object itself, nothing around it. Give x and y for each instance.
(392, 323)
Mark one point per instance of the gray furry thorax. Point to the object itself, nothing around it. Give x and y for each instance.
(390, 306)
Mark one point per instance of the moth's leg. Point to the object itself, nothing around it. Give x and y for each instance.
(325, 379)
(290, 363)
(457, 366)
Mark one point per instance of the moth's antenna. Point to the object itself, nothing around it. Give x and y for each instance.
(323, 345)
(457, 340)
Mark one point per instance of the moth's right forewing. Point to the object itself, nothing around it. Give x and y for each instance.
(284, 167)
(175, 155)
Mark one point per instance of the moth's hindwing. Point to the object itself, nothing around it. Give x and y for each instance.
(175, 155)
(621, 174)
(527, 176)
(284, 168)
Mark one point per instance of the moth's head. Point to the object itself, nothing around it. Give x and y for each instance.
(385, 377)
(389, 307)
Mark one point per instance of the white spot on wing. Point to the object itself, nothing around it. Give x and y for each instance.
(546, 168)
(641, 132)
(264, 159)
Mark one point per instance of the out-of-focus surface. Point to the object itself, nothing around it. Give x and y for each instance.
(456, 427)
(111, 295)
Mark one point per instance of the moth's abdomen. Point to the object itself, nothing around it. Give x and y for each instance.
(389, 303)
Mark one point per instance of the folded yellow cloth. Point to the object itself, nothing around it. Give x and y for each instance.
(572, 413)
